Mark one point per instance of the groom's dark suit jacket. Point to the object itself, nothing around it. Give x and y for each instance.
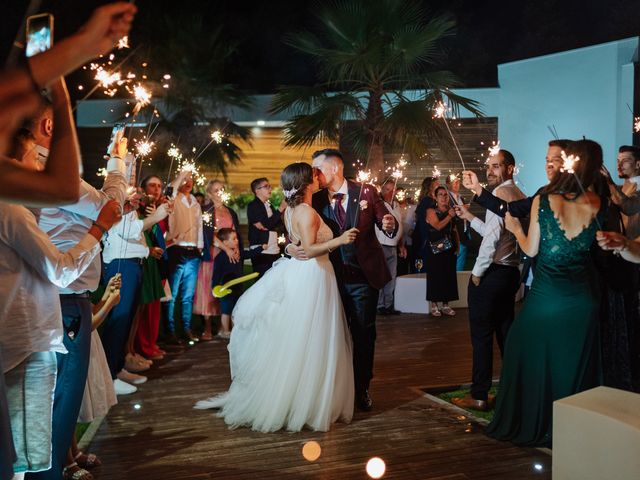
(368, 250)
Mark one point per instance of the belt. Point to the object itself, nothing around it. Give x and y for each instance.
(134, 260)
(74, 295)
(188, 249)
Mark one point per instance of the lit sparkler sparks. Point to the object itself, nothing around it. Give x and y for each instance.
(206, 218)
(105, 78)
(225, 196)
(494, 149)
(190, 166)
(364, 176)
(568, 162)
(435, 173)
(217, 136)
(281, 239)
(102, 172)
(402, 162)
(440, 110)
(142, 96)
(401, 195)
(636, 124)
(174, 152)
(144, 148)
(123, 43)
(397, 174)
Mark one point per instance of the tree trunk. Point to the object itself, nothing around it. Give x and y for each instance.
(375, 117)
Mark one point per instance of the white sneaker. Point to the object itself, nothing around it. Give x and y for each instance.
(131, 378)
(206, 404)
(123, 388)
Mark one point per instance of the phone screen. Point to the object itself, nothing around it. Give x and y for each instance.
(39, 33)
(118, 128)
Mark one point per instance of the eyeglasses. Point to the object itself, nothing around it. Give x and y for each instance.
(264, 186)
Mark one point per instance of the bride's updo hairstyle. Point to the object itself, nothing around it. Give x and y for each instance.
(295, 179)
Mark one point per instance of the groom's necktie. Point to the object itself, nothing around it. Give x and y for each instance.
(338, 210)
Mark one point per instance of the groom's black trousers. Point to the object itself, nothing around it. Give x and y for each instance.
(360, 301)
(491, 311)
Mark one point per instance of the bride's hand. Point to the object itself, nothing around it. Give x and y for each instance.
(349, 236)
(512, 224)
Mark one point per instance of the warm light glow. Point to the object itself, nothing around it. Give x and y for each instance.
(537, 466)
(105, 78)
(142, 96)
(217, 136)
(173, 152)
(137, 406)
(225, 196)
(311, 451)
(282, 239)
(363, 176)
(401, 195)
(123, 43)
(397, 174)
(167, 76)
(206, 218)
(636, 124)
(568, 162)
(440, 110)
(376, 467)
(144, 148)
(494, 149)
(435, 173)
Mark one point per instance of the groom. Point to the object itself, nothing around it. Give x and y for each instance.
(361, 268)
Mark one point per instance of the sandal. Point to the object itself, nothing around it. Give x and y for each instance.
(74, 472)
(435, 312)
(447, 310)
(87, 460)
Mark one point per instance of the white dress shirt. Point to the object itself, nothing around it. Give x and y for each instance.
(273, 248)
(31, 269)
(185, 223)
(383, 237)
(344, 190)
(125, 239)
(408, 213)
(498, 245)
(67, 225)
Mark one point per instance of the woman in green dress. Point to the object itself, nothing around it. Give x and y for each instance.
(552, 350)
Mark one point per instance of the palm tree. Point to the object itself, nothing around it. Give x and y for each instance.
(195, 54)
(374, 58)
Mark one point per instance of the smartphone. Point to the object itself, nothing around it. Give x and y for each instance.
(118, 128)
(39, 33)
(168, 192)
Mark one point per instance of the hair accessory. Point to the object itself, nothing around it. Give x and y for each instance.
(289, 193)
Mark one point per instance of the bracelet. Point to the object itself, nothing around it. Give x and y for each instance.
(99, 227)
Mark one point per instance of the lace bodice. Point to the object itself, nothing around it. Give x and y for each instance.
(555, 247)
(324, 232)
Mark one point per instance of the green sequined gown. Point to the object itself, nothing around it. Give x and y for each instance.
(552, 349)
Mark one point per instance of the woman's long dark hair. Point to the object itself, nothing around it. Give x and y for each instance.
(425, 187)
(295, 179)
(587, 172)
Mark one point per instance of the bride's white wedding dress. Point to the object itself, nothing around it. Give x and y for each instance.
(290, 349)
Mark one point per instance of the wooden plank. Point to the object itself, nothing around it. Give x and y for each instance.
(417, 438)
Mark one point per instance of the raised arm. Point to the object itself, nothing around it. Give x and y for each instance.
(432, 218)
(529, 243)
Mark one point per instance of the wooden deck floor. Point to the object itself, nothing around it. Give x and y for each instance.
(417, 438)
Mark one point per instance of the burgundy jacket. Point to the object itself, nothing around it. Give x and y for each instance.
(368, 250)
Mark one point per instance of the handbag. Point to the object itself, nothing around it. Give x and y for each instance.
(442, 245)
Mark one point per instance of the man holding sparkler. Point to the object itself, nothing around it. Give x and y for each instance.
(361, 268)
(494, 281)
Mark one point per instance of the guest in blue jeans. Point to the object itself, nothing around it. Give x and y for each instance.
(185, 243)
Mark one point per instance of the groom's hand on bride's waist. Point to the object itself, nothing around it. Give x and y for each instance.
(296, 251)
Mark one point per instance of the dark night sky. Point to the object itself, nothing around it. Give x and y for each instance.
(489, 32)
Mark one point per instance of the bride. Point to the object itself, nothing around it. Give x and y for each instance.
(290, 349)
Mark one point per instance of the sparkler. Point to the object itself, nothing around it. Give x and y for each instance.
(144, 148)
(363, 176)
(225, 196)
(123, 43)
(436, 173)
(568, 163)
(142, 96)
(281, 239)
(636, 124)
(494, 149)
(440, 112)
(217, 136)
(206, 218)
(401, 195)
(102, 172)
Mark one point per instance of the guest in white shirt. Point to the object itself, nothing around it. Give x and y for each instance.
(66, 226)
(393, 247)
(408, 214)
(264, 221)
(31, 326)
(125, 248)
(184, 247)
(494, 281)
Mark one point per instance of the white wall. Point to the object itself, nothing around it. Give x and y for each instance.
(580, 92)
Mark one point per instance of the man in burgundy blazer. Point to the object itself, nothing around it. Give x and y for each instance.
(361, 269)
